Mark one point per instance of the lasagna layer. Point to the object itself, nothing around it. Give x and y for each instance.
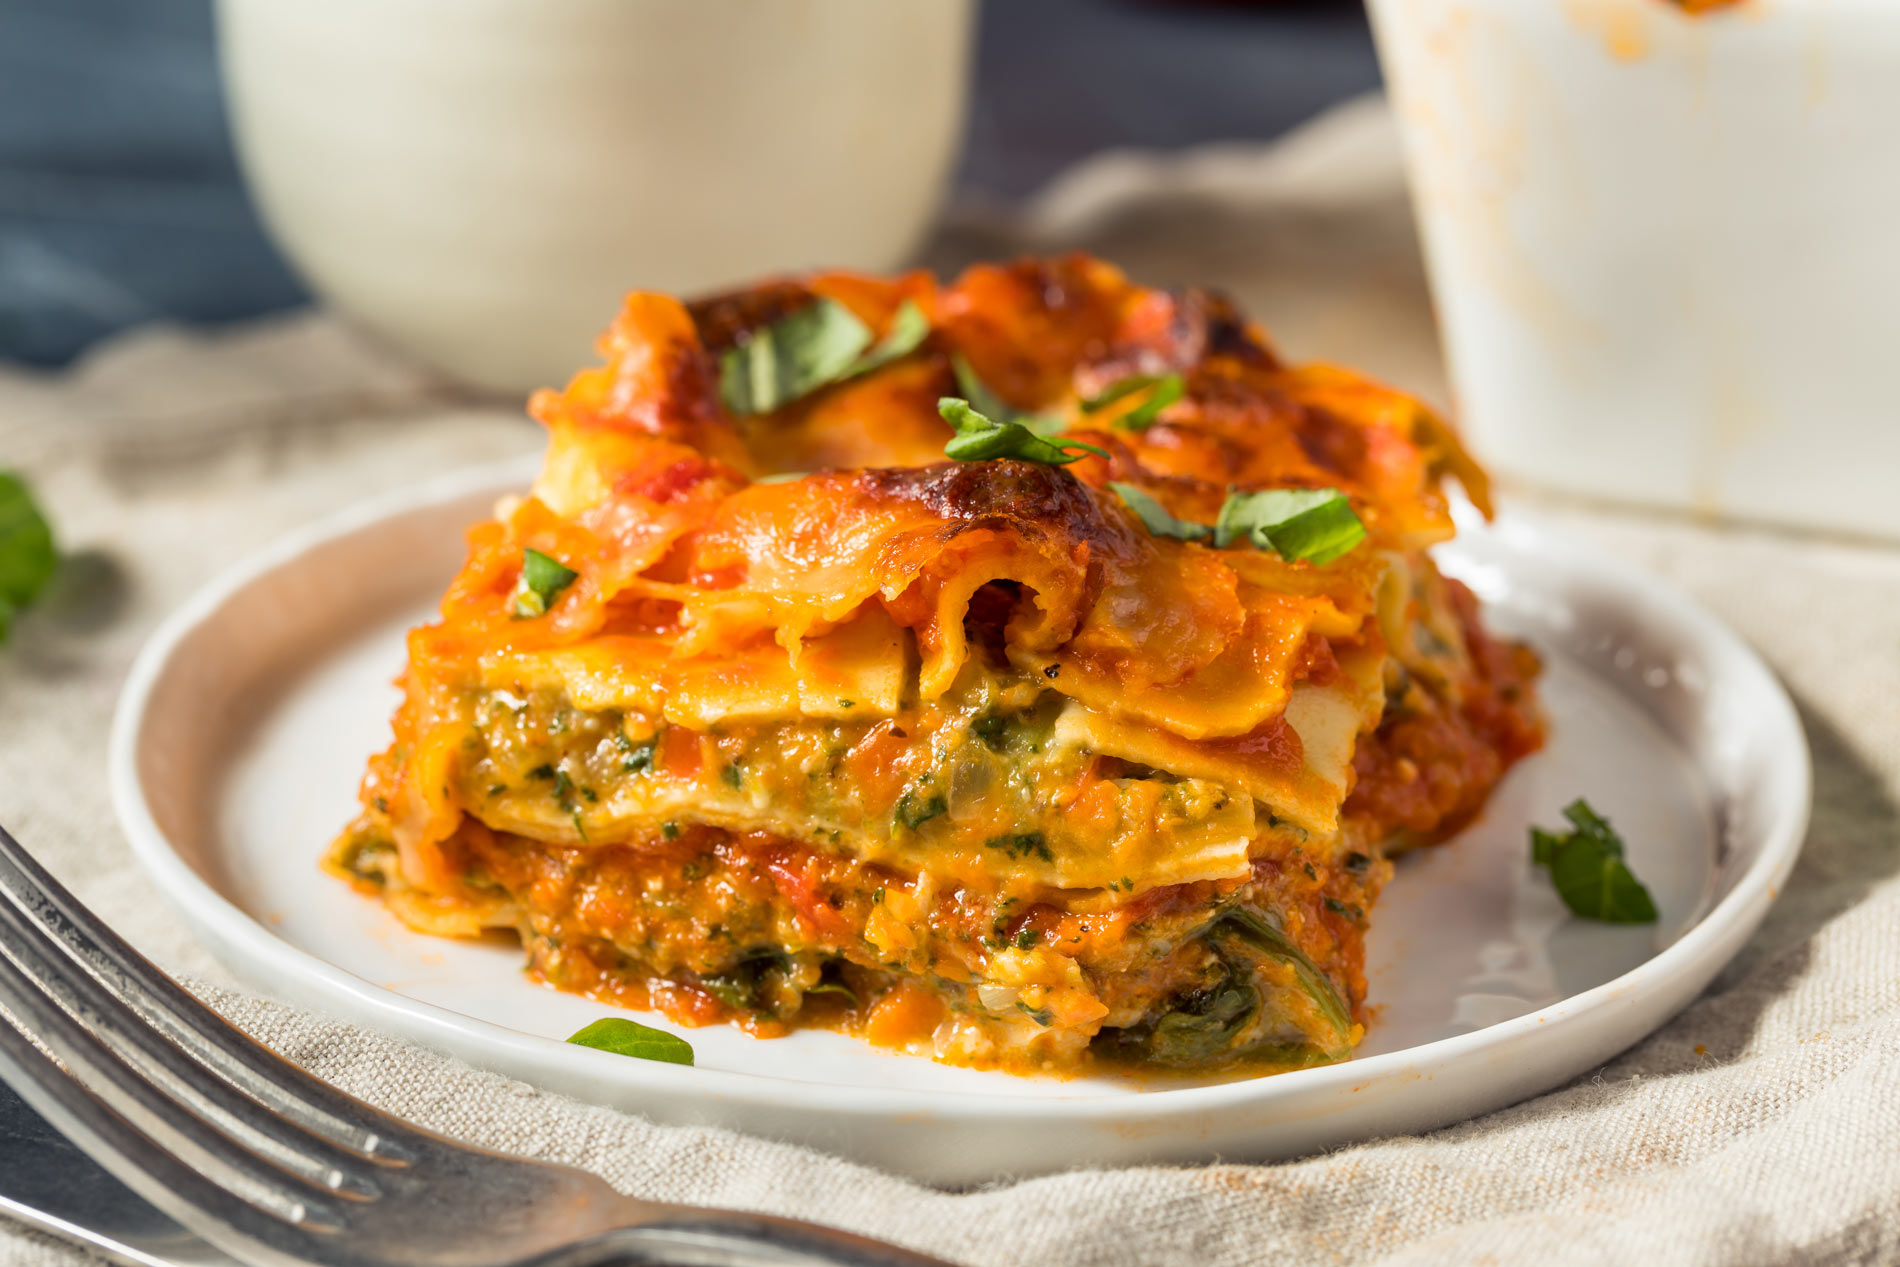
(977, 758)
(712, 925)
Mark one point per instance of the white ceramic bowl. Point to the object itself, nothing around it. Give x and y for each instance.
(1664, 248)
(243, 729)
(480, 180)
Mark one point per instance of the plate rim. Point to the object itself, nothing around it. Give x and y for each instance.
(228, 929)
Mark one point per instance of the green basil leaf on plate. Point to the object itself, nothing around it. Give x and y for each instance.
(1588, 870)
(623, 1037)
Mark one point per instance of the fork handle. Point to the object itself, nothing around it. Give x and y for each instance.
(683, 1236)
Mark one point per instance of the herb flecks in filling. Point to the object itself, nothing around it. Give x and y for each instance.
(951, 780)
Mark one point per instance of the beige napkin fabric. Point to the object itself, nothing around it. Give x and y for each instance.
(1760, 1126)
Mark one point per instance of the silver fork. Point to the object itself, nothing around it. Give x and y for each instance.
(273, 1165)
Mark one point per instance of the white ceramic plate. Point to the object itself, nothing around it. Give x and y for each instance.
(243, 730)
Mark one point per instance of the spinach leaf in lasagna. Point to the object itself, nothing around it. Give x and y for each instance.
(1268, 939)
(1587, 868)
(543, 577)
(623, 1037)
(1314, 524)
(792, 357)
(1163, 390)
(28, 558)
(1228, 1017)
(980, 438)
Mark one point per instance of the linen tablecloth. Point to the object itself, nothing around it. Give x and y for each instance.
(1761, 1125)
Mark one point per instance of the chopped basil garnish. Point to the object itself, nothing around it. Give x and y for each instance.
(1155, 517)
(980, 437)
(1317, 524)
(1586, 865)
(792, 357)
(990, 405)
(1167, 388)
(630, 1038)
(822, 343)
(1314, 524)
(978, 393)
(542, 580)
(909, 328)
(1117, 390)
(28, 558)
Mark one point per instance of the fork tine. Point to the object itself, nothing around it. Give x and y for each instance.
(38, 956)
(212, 1041)
(105, 1102)
(162, 1179)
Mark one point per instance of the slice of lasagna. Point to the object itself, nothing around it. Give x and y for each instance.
(1024, 672)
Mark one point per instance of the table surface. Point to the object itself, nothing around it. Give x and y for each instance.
(120, 200)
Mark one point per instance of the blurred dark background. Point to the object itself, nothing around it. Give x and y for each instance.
(120, 200)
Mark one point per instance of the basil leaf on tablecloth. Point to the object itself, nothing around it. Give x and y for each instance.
(28, 557)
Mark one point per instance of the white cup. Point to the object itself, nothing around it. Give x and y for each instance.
(480, 180)
(1665, 249)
